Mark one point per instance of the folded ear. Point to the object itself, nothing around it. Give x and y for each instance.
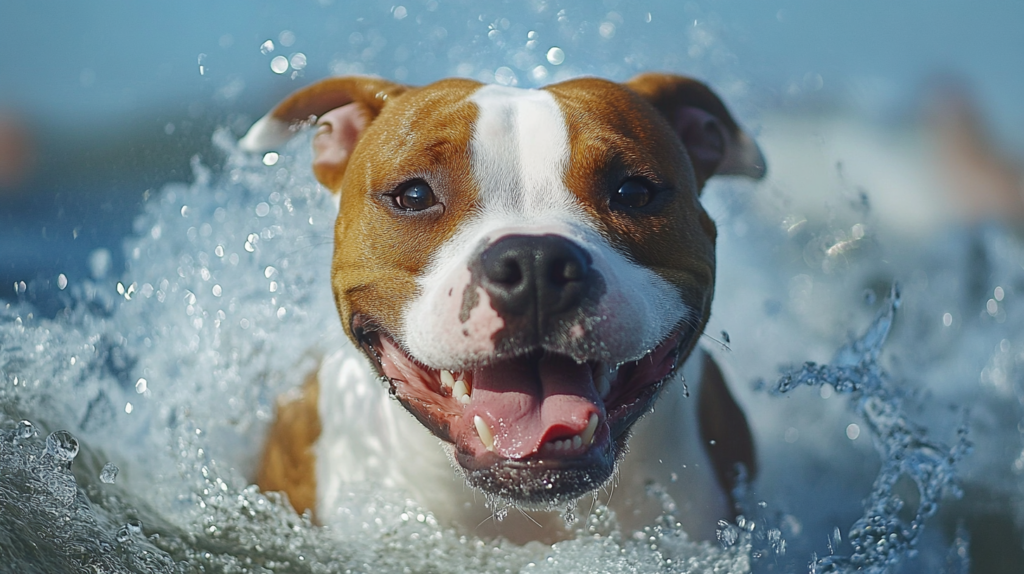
(341, 108)
(716, 144)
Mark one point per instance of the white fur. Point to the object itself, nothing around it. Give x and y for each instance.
(520, 154)
(369, 438)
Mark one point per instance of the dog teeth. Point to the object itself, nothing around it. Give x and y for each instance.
(447, 379)
(576, 442)
(588, 434)
(460, 390)
(486, 436)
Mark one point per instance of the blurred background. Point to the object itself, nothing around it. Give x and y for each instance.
(102, 102)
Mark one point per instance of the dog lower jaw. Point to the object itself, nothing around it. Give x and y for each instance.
(545, 484)
(558, 462)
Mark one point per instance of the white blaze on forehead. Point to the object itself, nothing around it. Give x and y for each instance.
(520, 151)
(520, 155)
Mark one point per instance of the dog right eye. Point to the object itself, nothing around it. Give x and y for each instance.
(415, 196)
(633, 193)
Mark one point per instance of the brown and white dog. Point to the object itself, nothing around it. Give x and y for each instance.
(526, 271)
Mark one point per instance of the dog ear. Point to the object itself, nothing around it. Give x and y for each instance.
(716, 144)
(341, 108)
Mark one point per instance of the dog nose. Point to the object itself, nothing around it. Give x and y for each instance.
(540, 275)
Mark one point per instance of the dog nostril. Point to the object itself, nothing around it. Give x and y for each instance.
(567, 271)
(508, 272)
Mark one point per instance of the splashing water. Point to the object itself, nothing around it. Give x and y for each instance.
(166, 375)
(169, 373)
(881, 538)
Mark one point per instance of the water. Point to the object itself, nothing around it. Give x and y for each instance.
(168, 373)
(888, 430)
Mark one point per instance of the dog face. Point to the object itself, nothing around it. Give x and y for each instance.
(526, 268)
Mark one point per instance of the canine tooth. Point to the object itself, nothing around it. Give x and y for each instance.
(461, 392)
(447, 380)
(484, 431)
(577, 442)
(588, 433)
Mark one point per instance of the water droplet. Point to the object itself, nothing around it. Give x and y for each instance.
(792, 435)
(62, 282)
(279, 64)
(400, 12)
(269, 271)
(569, 516)
(109, 473)
(100, 262)
(262, 209)
(128, 408)
(25, 430)
(267, 47)
(62, 446)
(141, 385)
(727, 534)
(505, 76)
(556, 56)
(298, 61)
(270, 158)
(217, 291)
(286, 37)
(852, 431)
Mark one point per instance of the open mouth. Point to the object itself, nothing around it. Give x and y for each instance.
(538, 428)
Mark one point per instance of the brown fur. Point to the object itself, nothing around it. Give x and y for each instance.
(614, 134)
(379, 252)
(288, 463)
(615, 131)
(723, 428)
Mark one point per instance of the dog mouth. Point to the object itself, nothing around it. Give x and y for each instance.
(537, 428)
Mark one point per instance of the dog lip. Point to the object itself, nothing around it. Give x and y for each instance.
(423, 395)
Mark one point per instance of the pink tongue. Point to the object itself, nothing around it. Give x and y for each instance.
(527, 402)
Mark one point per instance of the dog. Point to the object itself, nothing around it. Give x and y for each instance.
(527, 272)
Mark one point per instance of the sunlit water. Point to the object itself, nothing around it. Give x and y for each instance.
(130, 424)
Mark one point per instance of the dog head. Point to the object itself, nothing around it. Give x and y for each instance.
(526, 268)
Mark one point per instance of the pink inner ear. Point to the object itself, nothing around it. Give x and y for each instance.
(704, 137)
(337, 133)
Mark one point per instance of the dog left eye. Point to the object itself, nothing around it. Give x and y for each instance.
(633, 193)
(415, 196)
